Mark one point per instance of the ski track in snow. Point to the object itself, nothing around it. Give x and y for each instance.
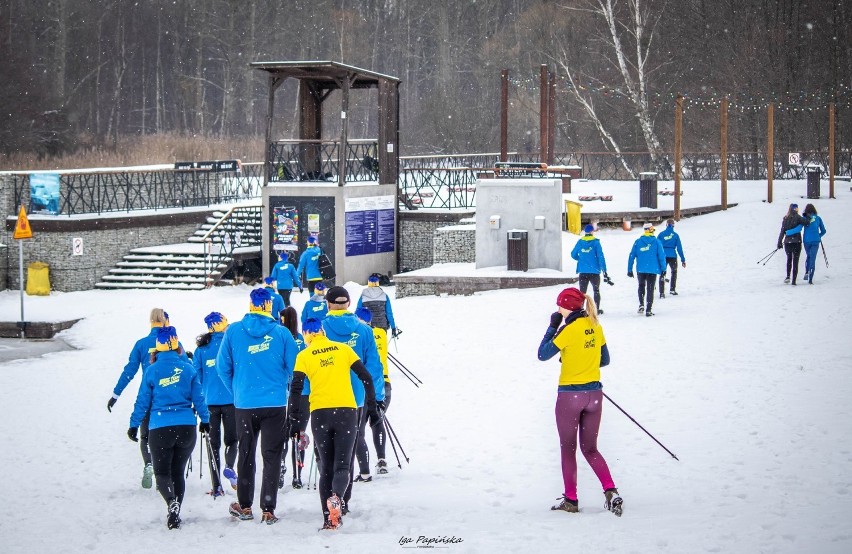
(745, 378)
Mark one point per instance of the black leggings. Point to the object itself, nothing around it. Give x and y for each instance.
(595, 280)
(646, 285)
(379, 434)
(143, 440)
(361, 450)
(360, 418)
(285, 294)
(268, 425)
(222, 416)
(334, 439)
(171, 448)
(793, 250)
(672, 262)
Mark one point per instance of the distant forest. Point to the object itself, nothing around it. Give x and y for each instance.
(81, 74)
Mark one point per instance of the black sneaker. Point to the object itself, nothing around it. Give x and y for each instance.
(649, 313)
(662, 295)
(787, 280)
(382, 466)
(672, 293)
(613, 502)
(173, 520)
(600, 312)
(297, 483)
(363, 478)
(641, 309)
(566, 505)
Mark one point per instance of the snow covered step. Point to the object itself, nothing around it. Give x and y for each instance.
(165, 258)
(171, 286)
(158, 271)
(163, 264)
(169, 279)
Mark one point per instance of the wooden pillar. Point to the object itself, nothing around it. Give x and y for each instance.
(770, 150)
(831, 150)
(542, 113)
(270, 110)
(344, 131)
(678, 154)
(551, 118)
(723, 130)
(504, 115)
(310, 125)
(388, 147)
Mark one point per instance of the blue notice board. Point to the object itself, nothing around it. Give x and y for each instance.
(370, 225)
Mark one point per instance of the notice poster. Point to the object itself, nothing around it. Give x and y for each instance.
(44, 193)
(285, 229)
(370, 225)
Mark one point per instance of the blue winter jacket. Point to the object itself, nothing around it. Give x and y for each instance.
(309, 263)
(256, 360)
(671, 243)
(301, 345)
(139, 356)
(277, 303)
(814, 231)
(649, 255)
(316, 308)
(589, 255)
(343, 326)
(170, 392)
(204, 362)
(285, 275)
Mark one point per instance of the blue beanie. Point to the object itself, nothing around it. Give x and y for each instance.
(167, 339)
(364, 315)
(320, 286)
(312, 325)
(216, 322)
(268, 280)
(261, 301)
(589, 229)
(312, 240)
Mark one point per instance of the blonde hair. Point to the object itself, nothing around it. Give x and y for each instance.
(591, 309)
(159, 317)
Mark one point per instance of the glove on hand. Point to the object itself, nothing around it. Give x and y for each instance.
(375, 416)
(555, 320)
(111, 403)
(630, 274)
(301, 290)
(131, 434)
(204, 428)
(395, 332)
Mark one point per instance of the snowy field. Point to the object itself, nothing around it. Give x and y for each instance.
(746, 379)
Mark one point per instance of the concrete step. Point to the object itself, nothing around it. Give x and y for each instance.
(170, 286)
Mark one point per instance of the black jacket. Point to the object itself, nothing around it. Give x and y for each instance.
(790, 222)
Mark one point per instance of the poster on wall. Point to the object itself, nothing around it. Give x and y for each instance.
(370, 225)
(314, 226)
(44, 193)
(285, 229)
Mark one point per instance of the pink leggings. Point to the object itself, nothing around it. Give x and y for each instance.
(580, 410)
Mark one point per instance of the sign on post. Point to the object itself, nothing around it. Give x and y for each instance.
(22, 227)
(794, 158)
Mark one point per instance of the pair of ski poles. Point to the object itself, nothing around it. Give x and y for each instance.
(769, 256)
(404, 370)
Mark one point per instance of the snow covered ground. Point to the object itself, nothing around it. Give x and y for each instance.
(746, 379)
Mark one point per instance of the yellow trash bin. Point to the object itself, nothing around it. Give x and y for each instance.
(572, 217)
(38, 279)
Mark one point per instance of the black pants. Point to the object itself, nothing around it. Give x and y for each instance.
(646, 286)
(595, 280)
(672, 263)
(361, 417)
(285, 294)
(379, 434)
(304, 408)
(334, 439)
(793, 250)
(268, 425)
(171, 448)
(143, 440)
(222, 416)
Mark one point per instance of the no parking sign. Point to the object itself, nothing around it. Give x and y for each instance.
(77, 246)
(794, 158)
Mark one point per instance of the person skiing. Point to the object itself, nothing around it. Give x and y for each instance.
(376, 300)
(672, 247)
(316, 306)
(290, 320)
(309, 264)
(341, 325)
(169, 396)
(255, 363)
(590, 263)
(329, 366)
(140, 356)
(277, 300)
(284, 273)
(811, 238)
(792, 242)
(379, 432)
(579, 401)
(220, 402)
(650, 262)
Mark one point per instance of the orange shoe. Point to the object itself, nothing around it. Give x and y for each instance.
(333, 505)
(239, 512)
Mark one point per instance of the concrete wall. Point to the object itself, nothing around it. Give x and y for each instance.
(455, 244)
(417, 235)
(517, 202)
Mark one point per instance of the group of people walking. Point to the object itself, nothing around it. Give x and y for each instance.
(258, 381)
(801, 230)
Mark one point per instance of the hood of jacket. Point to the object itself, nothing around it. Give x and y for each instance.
(258, 325)
(373, 293)
(341, 322)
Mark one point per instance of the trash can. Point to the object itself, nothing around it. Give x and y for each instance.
(648, 190)
(572, 217)
(814, 172)
(38, 279)
(518, 251)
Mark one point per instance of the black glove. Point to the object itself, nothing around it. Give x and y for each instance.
(204, 428)
(555, 320)
(395, 332)
(779, 247)
(376, 415)
(301, 290)
(111, 403)
(630, 274)
(380, 404)
(607, 280)
(293, 424)
(132, 432)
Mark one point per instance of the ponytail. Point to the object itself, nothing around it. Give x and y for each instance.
(591, 309)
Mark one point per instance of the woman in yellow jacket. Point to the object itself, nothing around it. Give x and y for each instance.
(582, 346)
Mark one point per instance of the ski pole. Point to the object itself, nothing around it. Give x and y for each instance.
(311, 469)
(188, 468)
(200, 460)
(767, 257)
(404, 373)
(637, 423)
(215, 476)
(402, 366)
(390, 428)
(823, 254)
(398, 463)
(316, 470)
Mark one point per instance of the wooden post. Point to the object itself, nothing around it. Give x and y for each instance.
(831, 150)
(504, 115)
(678, 154)
(344, 131)
(542, 113)
(551, 118)
(270, 110)
(770, 149)
(723, 129)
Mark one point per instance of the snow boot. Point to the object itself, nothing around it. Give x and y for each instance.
(566, 505)
(382, 467)
(147, 476)
(173, 520)
(333, 505)
(613, 502)
(231, 476)
(243, 514)
(269, 518)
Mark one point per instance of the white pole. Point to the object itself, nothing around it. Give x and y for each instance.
(21, 281)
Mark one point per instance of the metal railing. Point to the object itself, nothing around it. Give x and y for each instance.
(228, 236)
(319, 160)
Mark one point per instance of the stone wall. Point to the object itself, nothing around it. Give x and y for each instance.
(454, 244)
(417, 236)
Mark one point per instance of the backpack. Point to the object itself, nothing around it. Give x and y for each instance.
(326, 267)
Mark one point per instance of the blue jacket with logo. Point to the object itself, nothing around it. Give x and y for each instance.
(170, 392)
(343, 326)
(671, 243)
(256, 360)
(204, 362)
(649, 255)
(309, 263)
(301, 345)
(589, 255)
(285, 275)
(814, 231)
(316, 308)
(140, 356)
(277, 303)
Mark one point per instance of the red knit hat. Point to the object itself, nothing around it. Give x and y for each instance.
(570, 299)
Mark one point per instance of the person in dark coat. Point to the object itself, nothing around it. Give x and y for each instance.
(791, 243)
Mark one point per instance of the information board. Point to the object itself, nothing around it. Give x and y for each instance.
(370, 225)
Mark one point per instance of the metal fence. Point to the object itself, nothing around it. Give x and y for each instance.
(319, 160)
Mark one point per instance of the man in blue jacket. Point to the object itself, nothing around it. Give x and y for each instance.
(309, 263)
(590, 263)
(672, 248)
(277, 301)
(650, 262)
(284, 273)
(255, 362)
(316, 306)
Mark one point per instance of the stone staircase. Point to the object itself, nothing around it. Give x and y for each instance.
(195, 264)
